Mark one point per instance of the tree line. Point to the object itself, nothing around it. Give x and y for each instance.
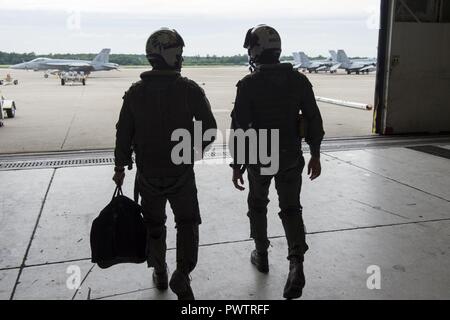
(126, 59)
(9, 58)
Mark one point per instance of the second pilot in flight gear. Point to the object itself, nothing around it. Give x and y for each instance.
(164, 101)
(271, 98)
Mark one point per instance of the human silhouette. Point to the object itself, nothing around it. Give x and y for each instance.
(271, 98)
(153, 108)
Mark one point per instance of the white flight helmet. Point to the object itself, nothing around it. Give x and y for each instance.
(167, 45)
(260, 39)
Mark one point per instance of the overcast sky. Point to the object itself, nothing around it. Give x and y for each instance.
(207, 26)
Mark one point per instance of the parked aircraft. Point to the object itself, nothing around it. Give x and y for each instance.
(356, 66)
(303, 62)
(99, 63)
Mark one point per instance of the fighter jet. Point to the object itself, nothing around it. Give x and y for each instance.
(303, 62)
(357, 66)
(99, 63)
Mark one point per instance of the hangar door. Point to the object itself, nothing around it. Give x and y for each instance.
(413, 80)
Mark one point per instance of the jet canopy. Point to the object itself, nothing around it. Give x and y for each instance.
(40, 60)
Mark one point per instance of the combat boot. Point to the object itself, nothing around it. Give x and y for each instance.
(161, 279)
(181, 285)
(260, 260)
(296, 279)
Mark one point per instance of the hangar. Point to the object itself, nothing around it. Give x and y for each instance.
(382, 203)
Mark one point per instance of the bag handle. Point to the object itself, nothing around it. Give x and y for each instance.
(117, 192)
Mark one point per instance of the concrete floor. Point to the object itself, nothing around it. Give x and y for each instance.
(385, 207)
(51, 117)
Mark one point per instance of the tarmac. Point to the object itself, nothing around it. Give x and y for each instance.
(51, 117)
(382, 212)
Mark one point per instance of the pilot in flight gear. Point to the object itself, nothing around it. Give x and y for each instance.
(272, 97)
(161, 102)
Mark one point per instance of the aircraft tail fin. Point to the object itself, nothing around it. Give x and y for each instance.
(102, 57)
(342, 57)
(304, 58)
(296, 56)
(333, 55)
